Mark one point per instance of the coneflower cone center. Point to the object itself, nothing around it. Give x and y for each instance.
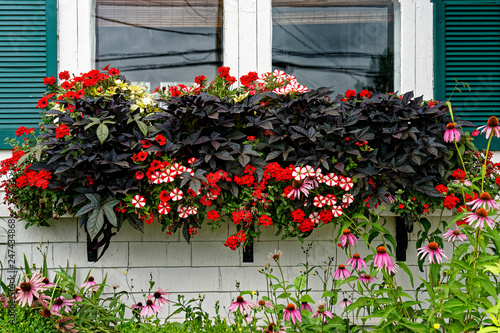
(290, 307)
(345, 300)
(26, 286)
(239, 299)
(58, 301)
(381, 250)
(91, 279)
(46, 313)
(296, 184)
(482, 212)
(45, 280)
(346, 231)
(456, 232)
(262, 302)
(149, 302)
(367, 276)
(341, 267)
(493, 121)
(433, 246)
(450, 126)
(157, 294)
(356, 256)
(485, 196)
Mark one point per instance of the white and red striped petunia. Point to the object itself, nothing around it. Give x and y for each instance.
(330, 200)
(182, 212)
(190, 171)
(319, 201)
(331, 179)
(138, 201)
(348, 198)
(176, 194)
(309, 171)
(191, 210)
(176, 169)
(163, 208)
(344, 205)
(167, 176)
(336, 211)
(315, 217)
(192, 160)
(299, 173)
(321, 178)
(345, 183)
(156, 178)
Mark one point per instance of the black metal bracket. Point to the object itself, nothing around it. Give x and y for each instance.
(92, 253)
(248, 253)
(401, 238)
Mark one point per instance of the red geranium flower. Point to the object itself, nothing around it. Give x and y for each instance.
(213, 215)
(265, 220)
(61, 131)
(20, 131)
(64, 75)
(49, 81)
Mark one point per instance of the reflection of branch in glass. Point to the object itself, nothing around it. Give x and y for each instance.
(140, 67)
(121, 56)
(352, 71)
(156, 29)
(383, 80)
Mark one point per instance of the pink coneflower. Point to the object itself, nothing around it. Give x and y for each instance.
(305, 306)
(90, 283)
(3, 300)
(239, 305)
(29, 290)
(300, 187)
(484, 201)
(451, 134)
(462, 182)
(46, 283)
(77, 298)
(150, 309)
(348, 236)
(452, 235)
(491, 126)
(322, 313)
(158, 297)
(344, 303)
(383, 260)
(137, 307)
(47, 313)
(366, 278)
(65, 326)
(292, 314)
(272, 328)
(276, 255)
(62, 303)
(261, 304)
(390, 197)
(478, 218)
(434, 253)
(341, 273)
(356, 262)
(42, 301)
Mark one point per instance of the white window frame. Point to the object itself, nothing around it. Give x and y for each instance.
(247, 38)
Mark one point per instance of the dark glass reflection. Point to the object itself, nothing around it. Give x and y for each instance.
(160, 41)
(331, 45)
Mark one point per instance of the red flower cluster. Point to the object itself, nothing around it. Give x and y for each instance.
(224, 73)
(213, 215)
(38, 179)
(442, 189)
(49, 81)
(306, 225)
(458, 174)
(200, 79)
(247, 80)
(298, 215)
(8, 164)
(242, 217)
(265, 220)
(350, 93)
(365, 93)
(22, 130)
(62, 131)
(451, 201)
(233, 241)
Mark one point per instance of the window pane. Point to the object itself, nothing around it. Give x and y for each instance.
(155, 41)
(344, 44)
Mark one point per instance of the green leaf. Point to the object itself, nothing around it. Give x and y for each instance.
(407, 271)
(300, 282)
(102, 133)
(87, 208)
(143, 127)
(306, 298)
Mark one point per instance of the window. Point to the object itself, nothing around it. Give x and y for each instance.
(154, 41)
(339, 43)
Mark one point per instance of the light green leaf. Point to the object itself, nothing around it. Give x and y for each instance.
(102, 133)
(143, 127)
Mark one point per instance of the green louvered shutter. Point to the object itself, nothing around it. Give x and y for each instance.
(467, 48)
(28, 53)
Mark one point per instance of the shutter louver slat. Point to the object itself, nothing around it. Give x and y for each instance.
(27, 55)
